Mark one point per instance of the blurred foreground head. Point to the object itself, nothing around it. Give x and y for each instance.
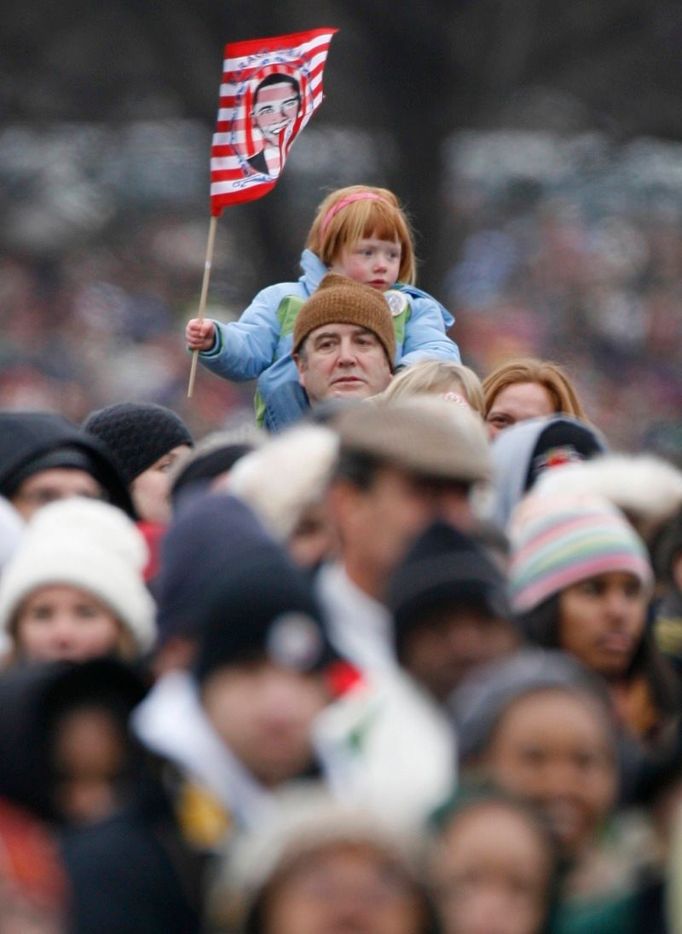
(492, 865)
(260, 662)
(647, 489)
(450, 609)
(208, 536)
(66, 752)
(539, 706)
(285, 481)
(323, 866)
(402, 465)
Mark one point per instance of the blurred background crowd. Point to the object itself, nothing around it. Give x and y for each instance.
(568, 249)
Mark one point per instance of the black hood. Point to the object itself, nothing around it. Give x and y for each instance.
(28, 438)
(32, 697)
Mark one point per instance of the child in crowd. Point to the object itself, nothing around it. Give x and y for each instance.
(74, 589)
(360, 232)
(492, 865)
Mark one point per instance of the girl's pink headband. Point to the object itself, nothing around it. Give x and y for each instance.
(344, 202)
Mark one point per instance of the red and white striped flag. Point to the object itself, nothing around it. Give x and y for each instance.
(269, 91)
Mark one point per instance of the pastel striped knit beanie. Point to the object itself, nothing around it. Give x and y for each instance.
(561, 540)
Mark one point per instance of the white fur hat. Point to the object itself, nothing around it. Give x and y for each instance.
(286, 475)
(87, 544)
(646, 488)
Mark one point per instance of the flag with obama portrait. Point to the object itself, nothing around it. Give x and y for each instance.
(269, 90)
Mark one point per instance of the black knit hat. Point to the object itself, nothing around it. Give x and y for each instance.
(34, 441)
(443, 568)
(137, 434)
(262, 608)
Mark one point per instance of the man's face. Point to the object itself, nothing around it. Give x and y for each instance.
(275, 109)
(376, 525)
(264, 713)
(52, 484)
(342, 361)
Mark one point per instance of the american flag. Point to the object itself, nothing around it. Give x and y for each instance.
(270, 89)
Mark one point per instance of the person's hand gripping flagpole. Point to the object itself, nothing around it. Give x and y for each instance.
(213, 224)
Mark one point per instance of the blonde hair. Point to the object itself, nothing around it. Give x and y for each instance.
(429, 377)
(378, 215)
(530, 370)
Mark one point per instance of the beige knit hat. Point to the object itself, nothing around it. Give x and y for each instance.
(424, 435)
(340, 300)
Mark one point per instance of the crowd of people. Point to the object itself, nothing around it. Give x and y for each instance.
(570, 248)
(555, 247)
(402, 657)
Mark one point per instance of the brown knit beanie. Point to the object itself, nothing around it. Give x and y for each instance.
(340, 300)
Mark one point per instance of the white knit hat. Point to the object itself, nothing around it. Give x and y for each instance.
(87, 544)
(648, 489)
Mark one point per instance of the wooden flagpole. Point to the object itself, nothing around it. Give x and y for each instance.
(202, 301)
